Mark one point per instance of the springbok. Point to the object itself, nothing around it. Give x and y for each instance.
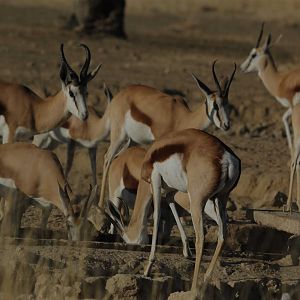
(38, 174)
(124, 176)
(189, 161)
(143, 114)
(75, 132)
(284, 86)
(24, 114)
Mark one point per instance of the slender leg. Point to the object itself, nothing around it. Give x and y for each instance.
(197, 207)
(156, 190)
(93, 161)
(285, 120)
(288, 206)
(46, 211)
(2, 204)
(298, 183)
(221, 221)
(184, 239)
(70, 156)
(8, 134)
(108, 157)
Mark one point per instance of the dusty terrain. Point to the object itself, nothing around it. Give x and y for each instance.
(166, 42)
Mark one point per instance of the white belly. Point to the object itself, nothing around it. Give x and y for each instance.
(42, 201)
(284, 102)
(7, 182)
(172, 172)
(296, 99)
(137, 131)
(23, 133)
(60, 135)
(87, 143)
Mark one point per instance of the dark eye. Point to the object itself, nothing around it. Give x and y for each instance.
(71, 94)
(253, 55)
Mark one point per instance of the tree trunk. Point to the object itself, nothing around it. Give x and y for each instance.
(98, 16)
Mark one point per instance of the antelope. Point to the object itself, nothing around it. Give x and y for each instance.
(124, 175)
(38, 174)
(75, 132)
(143, 114)
(24, 114)
(284, 86)
(189, 161)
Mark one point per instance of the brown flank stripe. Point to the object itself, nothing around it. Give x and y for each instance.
(139, 116)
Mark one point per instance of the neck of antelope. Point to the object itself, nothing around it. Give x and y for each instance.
(196, 119)
(50, 112)
(268, 73)
(136, 231)
(100, 128)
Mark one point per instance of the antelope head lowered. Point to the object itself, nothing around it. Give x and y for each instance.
(74, 86)
(76, 215)
(217, 105)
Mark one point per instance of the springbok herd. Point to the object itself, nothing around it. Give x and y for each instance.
(181, 157)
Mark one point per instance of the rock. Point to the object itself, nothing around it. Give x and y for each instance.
(123, 286)
(93, 287)
(181, 296)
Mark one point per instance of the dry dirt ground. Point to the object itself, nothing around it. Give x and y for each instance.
(166, 42)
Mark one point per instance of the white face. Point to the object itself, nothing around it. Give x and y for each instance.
(75, 229)
(251, 63)
(218, 111)
(76, 100)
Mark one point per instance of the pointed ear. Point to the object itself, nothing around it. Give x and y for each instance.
(65, 199)
(107, 92)
(92, 74)
(267, 42)
(63, 73)
(204, 88)
(89, 201)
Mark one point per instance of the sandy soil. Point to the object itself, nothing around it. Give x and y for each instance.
(167, 42)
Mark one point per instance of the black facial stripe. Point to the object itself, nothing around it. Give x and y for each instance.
(209, 115)
(75, 103)
(250, 61)
(218, 116)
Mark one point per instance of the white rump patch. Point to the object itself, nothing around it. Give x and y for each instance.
(172, 172)
(137, 131)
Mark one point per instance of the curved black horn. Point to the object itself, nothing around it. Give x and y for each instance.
(229, 82)
(216, 79)
(85, 67)
(71, 72)
(260, 34)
